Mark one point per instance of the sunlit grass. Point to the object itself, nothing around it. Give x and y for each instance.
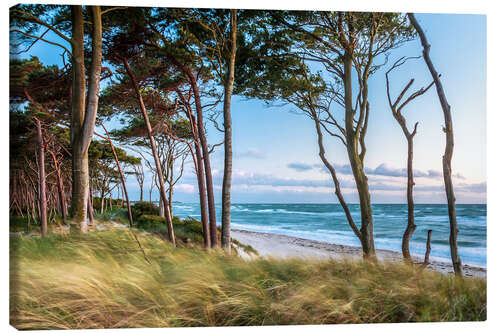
(101, 280)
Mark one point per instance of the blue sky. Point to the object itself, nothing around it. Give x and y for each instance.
(276, 155)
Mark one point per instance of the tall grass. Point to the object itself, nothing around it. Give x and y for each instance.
(101, 280)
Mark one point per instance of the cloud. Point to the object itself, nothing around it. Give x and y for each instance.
(476, 188)
(251, 153)
(382, 169)
(300, 166)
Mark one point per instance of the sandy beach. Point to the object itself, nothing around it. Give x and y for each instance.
(275, 245)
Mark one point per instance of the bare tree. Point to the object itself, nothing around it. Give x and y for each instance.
(139, 175)
(396, 109)
(448, 154)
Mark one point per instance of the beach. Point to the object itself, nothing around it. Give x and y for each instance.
(280, 246)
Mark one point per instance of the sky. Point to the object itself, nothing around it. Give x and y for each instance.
(275, 150)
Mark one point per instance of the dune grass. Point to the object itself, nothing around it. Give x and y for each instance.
(101, 280)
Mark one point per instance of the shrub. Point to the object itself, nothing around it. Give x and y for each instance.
(19, 223)
(144, 208)
(150, 222)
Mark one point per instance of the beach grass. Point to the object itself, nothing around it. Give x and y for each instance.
(102, 280)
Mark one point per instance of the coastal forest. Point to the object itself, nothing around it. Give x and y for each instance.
(133, 100)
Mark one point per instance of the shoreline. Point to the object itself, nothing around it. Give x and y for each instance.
(282, 246)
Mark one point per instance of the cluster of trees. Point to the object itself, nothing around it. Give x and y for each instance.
(166, 71)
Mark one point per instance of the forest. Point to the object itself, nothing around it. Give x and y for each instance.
(137, 92)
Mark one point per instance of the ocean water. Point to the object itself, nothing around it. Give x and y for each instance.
(327, 223)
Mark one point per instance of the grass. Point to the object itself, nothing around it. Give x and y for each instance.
(101, 280)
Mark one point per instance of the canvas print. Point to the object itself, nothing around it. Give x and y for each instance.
(177, 167)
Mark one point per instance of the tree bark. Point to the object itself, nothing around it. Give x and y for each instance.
(206, 159)
(79, 160)
(204, 147)
(410, 227)
(428, 248)
(352, 142)
(163, 196)
(122, 177)
(198, 165)
(83, 121)
(102, 201)
(42, 197)
(333, 174)
(448, 154)
(90, 209)
(60, 187)
(228, 145)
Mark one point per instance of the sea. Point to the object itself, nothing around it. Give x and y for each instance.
(327, 223)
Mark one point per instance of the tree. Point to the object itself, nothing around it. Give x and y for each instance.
(122, 177)
(228, 145)
(139, 175)
(181, 51)
(83, 119)
(213, 32)
(27, 20)
(345, 45)
(448, 154)
(396, 108)
(40, 87)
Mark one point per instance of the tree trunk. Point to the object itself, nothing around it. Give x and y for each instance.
(155, 153)
(428, 248)
(228, 145)
(171, 188)
(142, 192)
(208, 170)
(90, 209)
(204, 147)
(448, 154)
(122, 177)
(79, 155)
(102, 201)
(352, 142)
(83, 121)
(333, 174)
(198, 162)
(41, 173)
(60, 187)
(410, 227)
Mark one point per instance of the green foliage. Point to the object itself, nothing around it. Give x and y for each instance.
(101, 280)
(150, 222)
(116, 214)
(140, 208)
(18, 223)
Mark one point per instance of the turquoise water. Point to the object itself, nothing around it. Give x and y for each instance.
(327, 223)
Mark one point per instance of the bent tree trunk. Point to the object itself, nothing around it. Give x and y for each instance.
(333, 174)
(352, 143)
(448, 154)
(206, 159)
(163, 197)
(228, 145)
(122, 177)
(42, 197)
(204, 147)
(198, 163)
